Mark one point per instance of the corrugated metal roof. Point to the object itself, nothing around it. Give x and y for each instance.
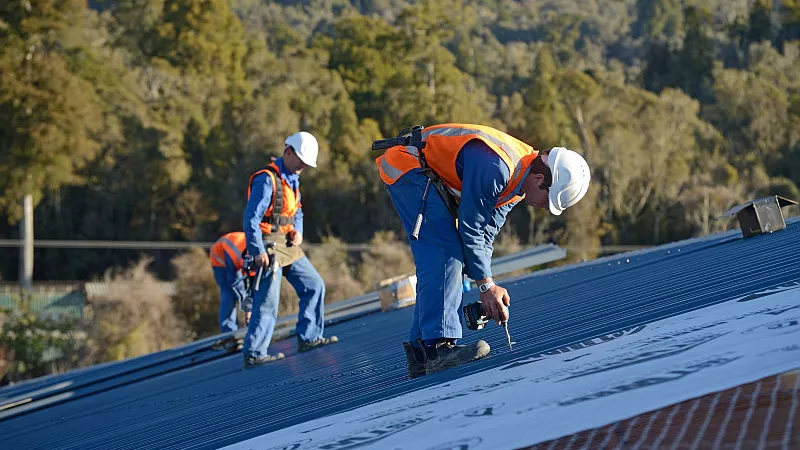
(215, 403)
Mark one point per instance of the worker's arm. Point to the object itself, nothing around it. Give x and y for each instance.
(298, 221)
(295, 237)
(257, 205)
(496, 222)
(484, 177)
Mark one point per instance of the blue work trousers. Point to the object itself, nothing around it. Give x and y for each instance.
(227, 298)
(438, 255)
(310, 288)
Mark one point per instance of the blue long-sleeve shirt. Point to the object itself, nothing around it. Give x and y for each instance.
(258, 203)
(484, 176)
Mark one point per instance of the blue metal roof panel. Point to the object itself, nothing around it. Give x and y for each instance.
(90, 375)
(217, 403)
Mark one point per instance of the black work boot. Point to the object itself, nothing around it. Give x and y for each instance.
(250, 361)
(446, 355)
(415, 360)
(304, 346)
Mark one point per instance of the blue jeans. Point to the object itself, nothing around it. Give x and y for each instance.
(227, 299)
(310, 288)
(438, 255)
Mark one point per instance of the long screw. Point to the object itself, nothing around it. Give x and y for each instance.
(508, 336)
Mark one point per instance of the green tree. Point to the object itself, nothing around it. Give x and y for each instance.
(759, 23)
(753, 114)
(659, 20)
(48, 116)
(548, 122)
(695, 59)
(790, 22)
(688, 68)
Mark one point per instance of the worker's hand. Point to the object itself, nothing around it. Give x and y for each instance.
(261, 260)
(247, 317)
(495, 302)
(293, 238)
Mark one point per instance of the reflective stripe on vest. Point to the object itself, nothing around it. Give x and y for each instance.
(220, 262)
(231, 245)
(457, 131)
(443, 144)
(234, 252)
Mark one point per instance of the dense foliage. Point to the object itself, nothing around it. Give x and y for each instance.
(141, 120)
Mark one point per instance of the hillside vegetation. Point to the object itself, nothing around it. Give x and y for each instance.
(141, 120)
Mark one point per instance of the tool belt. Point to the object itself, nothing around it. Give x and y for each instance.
(412, 137)
(286, 255)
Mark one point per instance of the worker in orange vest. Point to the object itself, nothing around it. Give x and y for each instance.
(479, 174)
(274, 214)
(227, 263)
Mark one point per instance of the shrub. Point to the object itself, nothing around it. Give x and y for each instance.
(332, 262)
(133, 318)
(35, 345)
(196, 298)
(386, 258)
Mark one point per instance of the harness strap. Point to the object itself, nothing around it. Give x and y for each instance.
(276, 219)
(412, 137)
(450, 201)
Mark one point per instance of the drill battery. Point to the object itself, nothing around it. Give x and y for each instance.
(475, 316)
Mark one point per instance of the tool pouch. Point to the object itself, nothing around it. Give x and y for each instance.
(242, 290)
(284, 254)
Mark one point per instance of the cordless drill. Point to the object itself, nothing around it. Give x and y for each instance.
(475, 316)
(476, 319)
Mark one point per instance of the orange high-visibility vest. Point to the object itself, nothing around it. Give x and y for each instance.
(442, 145)
(232, 244)
(288, 203)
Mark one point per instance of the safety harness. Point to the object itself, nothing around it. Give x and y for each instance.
(412, 137)
(276, 219)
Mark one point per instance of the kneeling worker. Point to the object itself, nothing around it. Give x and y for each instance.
(479, 174)
(227, 263)
(274, 214)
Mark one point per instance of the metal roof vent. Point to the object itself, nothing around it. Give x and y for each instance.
(762, 215)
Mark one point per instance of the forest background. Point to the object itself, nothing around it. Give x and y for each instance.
(142, 120)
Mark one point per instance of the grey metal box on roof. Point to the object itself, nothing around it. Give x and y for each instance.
(762, 215)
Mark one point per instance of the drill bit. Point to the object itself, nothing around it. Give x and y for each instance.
(508, 336)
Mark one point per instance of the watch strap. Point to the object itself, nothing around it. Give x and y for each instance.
(485, 286)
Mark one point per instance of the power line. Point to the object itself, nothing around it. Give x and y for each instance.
(183, 245)
(135, 245)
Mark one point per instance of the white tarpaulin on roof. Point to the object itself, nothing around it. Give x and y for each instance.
(579, 387)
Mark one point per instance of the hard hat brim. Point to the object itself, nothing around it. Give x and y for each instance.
(552, 202)
(556, 187)
(306, 161)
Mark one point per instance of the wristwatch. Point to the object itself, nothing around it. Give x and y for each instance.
(485, 286)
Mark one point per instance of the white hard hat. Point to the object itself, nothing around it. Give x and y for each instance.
(305, 146)
(571, 178)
